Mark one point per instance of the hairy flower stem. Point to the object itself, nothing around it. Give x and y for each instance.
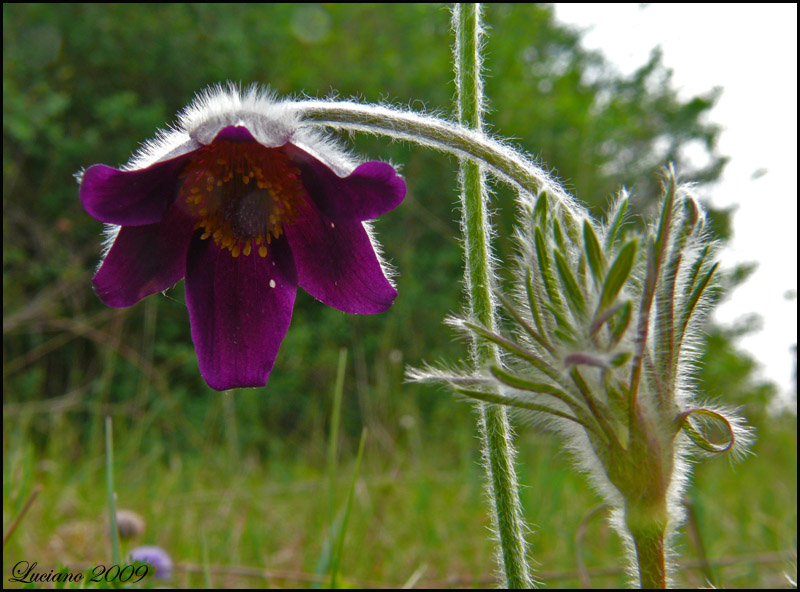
(504, 161)
(647, 527)
(493, 424)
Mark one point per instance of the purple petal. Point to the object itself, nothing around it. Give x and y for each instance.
(337, 264)
(235, 133)
(144, 260)
(240, 309)
(131, 198)
(371, 190)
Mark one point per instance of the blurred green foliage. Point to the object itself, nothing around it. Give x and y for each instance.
(86, 83)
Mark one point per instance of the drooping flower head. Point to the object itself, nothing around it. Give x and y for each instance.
(246, 204)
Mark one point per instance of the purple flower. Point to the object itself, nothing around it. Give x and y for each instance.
(156, 557)
(246, 204)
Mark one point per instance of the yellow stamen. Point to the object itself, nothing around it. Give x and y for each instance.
(239, 216)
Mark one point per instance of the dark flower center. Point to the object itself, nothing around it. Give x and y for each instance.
(242, 193)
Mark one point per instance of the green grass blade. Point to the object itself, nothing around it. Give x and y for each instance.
(325, 556)
(116, 556)
(333, 439)
(23, 510)
(335, 522)
(348, 508)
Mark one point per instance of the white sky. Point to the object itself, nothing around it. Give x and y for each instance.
(751, 52)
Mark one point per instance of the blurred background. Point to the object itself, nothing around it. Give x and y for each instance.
(247, 471)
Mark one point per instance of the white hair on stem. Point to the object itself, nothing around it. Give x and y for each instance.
(504, 161)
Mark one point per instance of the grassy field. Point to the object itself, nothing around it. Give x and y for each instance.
(418, 509)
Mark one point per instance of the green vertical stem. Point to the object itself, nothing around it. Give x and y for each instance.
(650, 556)
(493, 424)
(337, 555)
(116, 556)
(27, 506)
(333, 440)
(647, 523)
